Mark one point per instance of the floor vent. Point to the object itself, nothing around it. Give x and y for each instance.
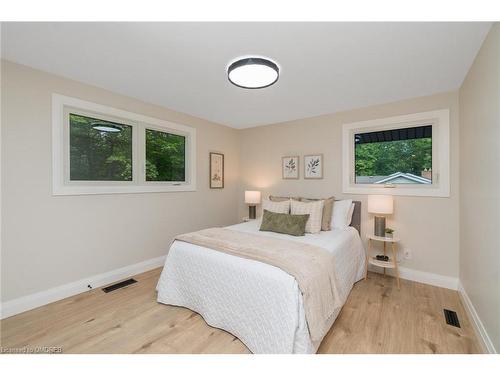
(119, 285)
(451, 318)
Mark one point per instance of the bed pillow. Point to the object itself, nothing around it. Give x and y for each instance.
(294, 225)
(349, 214)
(326, 220)
(315, 211)
(282, 207)
(340, 214)
(274, 198)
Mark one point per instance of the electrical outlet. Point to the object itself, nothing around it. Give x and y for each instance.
(407, 254)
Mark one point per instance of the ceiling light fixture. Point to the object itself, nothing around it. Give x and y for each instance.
(253, 72)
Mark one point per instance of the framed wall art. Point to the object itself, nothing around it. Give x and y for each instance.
(290, 167)
(313, 166)
(216, 170)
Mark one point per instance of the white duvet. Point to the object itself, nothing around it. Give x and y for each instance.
(256, 302)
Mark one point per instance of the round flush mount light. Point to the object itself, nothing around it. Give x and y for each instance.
(253, 72)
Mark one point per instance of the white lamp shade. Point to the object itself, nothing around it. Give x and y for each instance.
(252, 197)
(380, 204)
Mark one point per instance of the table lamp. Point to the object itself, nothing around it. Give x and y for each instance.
(252, 198)
(380, 205)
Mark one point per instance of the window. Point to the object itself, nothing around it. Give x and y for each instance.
(99, 150)
(165, 156)
(102, 150)
(404, 155)
(395, 156)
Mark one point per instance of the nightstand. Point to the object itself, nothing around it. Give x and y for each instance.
(391, 263)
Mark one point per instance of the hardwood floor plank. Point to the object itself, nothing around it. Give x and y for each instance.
(377, 318)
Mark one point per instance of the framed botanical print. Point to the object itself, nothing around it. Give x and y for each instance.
(216, 170)
(313, 166)
(290, 167)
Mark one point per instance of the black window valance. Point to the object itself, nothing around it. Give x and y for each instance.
(402, 134)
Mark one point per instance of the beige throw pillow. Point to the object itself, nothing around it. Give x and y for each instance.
(326, 220)
(281, 199)
(273, 198)
(282, 207)
(315, 211)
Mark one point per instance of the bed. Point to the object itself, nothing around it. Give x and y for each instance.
(257, 302)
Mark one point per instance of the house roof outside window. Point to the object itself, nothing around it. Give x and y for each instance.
(395, 178)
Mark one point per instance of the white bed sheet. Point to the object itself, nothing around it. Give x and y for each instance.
(256, 302)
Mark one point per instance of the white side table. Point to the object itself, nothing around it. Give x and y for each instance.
(391, 263)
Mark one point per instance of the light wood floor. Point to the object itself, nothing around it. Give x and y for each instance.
(377, 318)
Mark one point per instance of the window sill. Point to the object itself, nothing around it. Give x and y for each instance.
(428, 191)
(95, 190)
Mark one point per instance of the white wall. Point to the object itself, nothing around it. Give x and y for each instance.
(480, 184)
(428, 226)
(53, 240)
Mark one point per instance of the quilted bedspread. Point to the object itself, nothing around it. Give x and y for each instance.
(259, 303)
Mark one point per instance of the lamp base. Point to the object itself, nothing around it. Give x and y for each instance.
(379, 229)
(252, 212)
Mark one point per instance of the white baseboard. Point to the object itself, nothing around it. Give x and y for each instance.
(475, 321)
(423, 277)
(35, 300)
(429, 278)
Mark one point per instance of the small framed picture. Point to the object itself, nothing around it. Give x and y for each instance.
(290, 167)
(216, 170)
(313, 166)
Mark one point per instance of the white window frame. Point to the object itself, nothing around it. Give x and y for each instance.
(440, 187)
(61, 184)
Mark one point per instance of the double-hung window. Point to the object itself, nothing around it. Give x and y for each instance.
(102, 150)
(403, 155)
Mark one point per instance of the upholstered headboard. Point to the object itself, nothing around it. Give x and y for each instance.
(356, 216)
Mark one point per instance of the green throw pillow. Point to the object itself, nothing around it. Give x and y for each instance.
(284, 223)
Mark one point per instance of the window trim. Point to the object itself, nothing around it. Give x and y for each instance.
(61, 185)
(440, 121)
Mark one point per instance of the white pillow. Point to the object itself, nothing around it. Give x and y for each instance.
(340, 214)
(349, 214)
(277, 207)
(315, 211)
